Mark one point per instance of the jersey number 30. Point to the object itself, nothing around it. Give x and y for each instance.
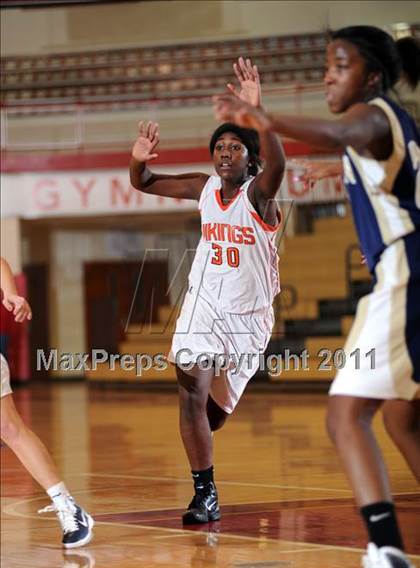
(232, 256)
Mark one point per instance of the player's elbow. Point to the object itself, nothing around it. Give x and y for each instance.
(134, 183)
(138, 183)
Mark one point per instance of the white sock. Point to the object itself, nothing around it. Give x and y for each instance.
(59, 494)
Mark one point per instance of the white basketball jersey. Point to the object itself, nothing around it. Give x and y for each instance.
(236, 264)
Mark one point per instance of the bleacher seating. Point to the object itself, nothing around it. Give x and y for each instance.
(171, 75)
(178, 74)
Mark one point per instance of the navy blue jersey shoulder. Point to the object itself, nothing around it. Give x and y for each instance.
(399, 207)
(405, 183)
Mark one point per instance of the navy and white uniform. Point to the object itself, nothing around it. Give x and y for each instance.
(385, 199)
(227, 310)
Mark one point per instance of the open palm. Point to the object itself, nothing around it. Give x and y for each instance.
(249, 81)
(230, 108)
(147, 140)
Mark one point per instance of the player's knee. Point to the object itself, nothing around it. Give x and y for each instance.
(334, 419)
(340, 428)
(10, 431)
(344, 419)
(192, 391)
(192, 401)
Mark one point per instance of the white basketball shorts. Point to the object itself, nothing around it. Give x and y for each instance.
(233, 343)
(382, 351)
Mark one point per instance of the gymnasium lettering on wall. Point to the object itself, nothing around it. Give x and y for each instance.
(34, 195)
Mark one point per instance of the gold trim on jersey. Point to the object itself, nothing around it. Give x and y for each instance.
(378, 177)
(397, 267)
(393, 164)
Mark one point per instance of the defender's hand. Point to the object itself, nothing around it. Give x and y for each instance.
(228, 108)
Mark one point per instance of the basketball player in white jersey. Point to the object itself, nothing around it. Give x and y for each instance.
(227, 311)
(381, 159)
(76, 524)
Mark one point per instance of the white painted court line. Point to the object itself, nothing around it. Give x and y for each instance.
(11, 509)
(186, 532)
(219, 482)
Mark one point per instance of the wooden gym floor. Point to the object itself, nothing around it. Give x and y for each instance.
(285, 501)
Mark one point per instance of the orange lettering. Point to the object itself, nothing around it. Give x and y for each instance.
(249, 237)
(237, 237)
(212, 232)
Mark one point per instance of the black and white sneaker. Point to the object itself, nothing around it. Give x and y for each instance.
(385, 557)
(204, 506)
(75, 522)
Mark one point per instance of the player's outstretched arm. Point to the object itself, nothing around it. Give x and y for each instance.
(11, 299)
(268, 181)
(361, 127)
(314, 171)
(183, 186)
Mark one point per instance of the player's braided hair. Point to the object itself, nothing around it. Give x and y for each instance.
(249, 139)
(382, 53)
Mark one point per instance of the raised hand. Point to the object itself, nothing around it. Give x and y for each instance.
(316, 171)
(249, 81)
(19, 306)
(147, 140)
(230, 108)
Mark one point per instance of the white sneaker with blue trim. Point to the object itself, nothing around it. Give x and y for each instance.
(75, 522)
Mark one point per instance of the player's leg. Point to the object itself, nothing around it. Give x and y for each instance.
(26, 445)
(75, 522)
(402, 422)
(349, 422)
(385, 325)
(193, 388)
(349, 426)
(216, 415)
